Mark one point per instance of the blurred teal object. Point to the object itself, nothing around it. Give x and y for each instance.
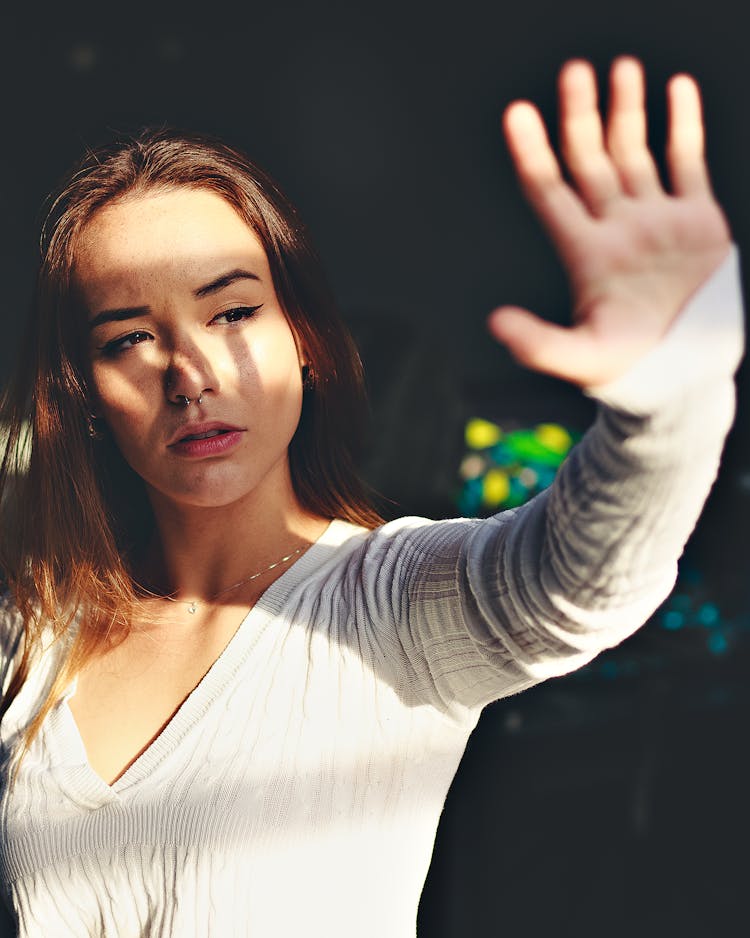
(503, 469)
(688, 607)
(673, 620)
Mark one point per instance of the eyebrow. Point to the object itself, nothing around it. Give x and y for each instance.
(224, 281)
(132, 312)
(118, 315)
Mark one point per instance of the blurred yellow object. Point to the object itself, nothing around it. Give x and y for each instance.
(495, 488)
(482, 433)
(554, 437)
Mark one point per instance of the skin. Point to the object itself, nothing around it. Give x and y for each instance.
(634, 254)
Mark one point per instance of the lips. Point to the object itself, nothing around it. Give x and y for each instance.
(205, 439)
(203, 436)
(201, 431)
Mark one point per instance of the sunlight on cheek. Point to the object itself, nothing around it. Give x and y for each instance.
(273, 364)
(124, 404)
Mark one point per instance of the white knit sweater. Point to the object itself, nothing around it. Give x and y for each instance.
(297, 790)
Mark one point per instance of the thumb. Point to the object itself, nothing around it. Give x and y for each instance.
(564, 352)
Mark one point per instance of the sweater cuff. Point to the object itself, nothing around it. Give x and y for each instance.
(703, 344)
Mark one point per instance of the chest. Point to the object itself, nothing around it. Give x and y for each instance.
(291, 762)
(273, 700)
(125, 698)
(295, 735)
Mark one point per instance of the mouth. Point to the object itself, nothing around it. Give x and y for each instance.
(206, 434)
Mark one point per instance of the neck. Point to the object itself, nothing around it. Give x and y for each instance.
(199, 551)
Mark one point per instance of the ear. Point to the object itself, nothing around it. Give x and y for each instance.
(92, 404)
(302, 357)
(95, 427)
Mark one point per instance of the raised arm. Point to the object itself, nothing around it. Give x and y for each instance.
(496, 605)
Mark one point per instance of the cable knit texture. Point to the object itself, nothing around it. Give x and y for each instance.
(298, 788)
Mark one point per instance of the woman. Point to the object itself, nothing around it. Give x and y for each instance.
(234, 701)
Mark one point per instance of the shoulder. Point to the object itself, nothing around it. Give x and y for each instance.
(407, 533)
(394, 551)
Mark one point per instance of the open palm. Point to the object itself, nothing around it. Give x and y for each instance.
(634, 253)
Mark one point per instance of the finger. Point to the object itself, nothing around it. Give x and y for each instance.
(627, 129)
(582, 138)
(685, 142)
(558, 207)
(568, 353)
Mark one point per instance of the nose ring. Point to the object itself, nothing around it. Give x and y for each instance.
(187, 401)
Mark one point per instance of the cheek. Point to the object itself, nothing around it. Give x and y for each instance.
(115, 378)
(265, 361)
(274, 372)
(125, 407)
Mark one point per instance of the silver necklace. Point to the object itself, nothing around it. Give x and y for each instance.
(192, 605)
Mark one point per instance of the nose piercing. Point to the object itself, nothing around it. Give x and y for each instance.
(187, 401)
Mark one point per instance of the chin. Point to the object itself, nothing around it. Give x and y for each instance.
(206, 496)
(211, 489)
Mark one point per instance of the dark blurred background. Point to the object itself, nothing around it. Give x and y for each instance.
(612, 802)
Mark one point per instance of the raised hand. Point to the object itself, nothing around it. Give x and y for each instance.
(634, 253)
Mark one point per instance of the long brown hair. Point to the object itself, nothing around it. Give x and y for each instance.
(73, 514)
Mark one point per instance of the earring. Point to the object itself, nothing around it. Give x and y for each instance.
(308, 379)
(95, 427)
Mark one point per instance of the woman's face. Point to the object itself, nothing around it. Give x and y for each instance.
(181, 305)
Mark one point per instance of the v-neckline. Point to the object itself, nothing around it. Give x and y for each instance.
(87, 782)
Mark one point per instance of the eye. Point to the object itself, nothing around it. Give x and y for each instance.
(125, 342)
(236, 314)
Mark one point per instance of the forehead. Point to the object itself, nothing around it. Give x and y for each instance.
(179, 233)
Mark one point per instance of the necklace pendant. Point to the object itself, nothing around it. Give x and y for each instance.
(193, 607)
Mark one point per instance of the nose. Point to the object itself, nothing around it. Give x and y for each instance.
(190, 374)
